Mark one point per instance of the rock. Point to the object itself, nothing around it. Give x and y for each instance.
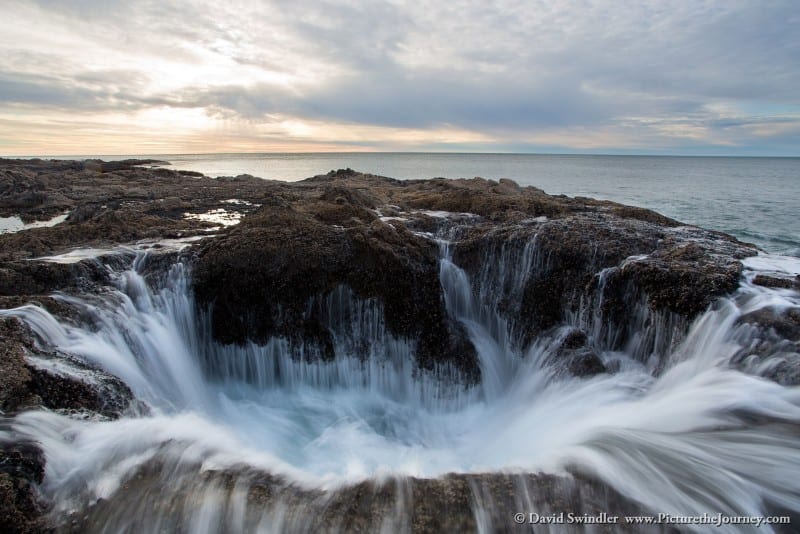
(261, 275)
(24, 386)
(36, 278)
(575, 357)
(674, 270)
(21, 462)
(686, 277)
(771, 344)
(67, 385)
(15, 377)
(97, 165)
(785, 323)
(106, 395)
(777, 282)
(452, 503)
(315, 235)
(575, 339)
(540, 260)
(311, 237)
(109, 203)
(585, 363)
(21, 469)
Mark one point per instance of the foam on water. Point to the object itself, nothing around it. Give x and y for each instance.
(10, 225)
(773, 263)
(219, 216)
(88, 253)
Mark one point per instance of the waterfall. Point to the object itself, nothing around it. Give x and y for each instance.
(488, 330)
(226, 421)
(366, 356)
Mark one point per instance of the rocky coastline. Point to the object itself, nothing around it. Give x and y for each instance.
(611, 272)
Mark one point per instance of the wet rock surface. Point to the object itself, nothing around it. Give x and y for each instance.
(21, 469)
(773, 344)
(310, 239)
(35, 377)
(36, 278)
(24, 385)
(109, 203)
(377, 237)
(777, 282)
(576, 357)
(371, 234)
(453, 503)
(374, 235)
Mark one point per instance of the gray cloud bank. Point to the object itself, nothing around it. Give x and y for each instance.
(670, 76)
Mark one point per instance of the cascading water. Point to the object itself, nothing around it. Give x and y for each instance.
(700, 437)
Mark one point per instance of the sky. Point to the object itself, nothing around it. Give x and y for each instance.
(689, 77)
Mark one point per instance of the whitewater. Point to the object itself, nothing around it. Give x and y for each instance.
(692, 435)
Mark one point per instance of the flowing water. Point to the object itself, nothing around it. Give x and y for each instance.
(697, 437)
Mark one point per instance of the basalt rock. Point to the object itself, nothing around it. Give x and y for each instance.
(777, 282)
(111, 203)
(453, 503)
(373, 235)
(33, 377)
(574, 356)
(21, 469)
(25, 386)
(260, 277)
(597, 259)
(37, 278)
(15, 390)
(771, 344)
(541, 261)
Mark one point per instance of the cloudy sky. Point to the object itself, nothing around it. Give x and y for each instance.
(596, 76)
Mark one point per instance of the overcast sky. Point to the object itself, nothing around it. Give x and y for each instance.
(597, 76)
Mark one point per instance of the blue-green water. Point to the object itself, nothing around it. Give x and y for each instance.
(755, 199)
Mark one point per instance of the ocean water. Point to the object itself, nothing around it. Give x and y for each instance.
(754, 199)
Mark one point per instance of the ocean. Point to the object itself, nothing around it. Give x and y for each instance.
(754, 199)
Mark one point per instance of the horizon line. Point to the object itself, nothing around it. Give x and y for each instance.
(397, 152)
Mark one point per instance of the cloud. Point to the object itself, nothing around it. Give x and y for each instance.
(566, 74)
